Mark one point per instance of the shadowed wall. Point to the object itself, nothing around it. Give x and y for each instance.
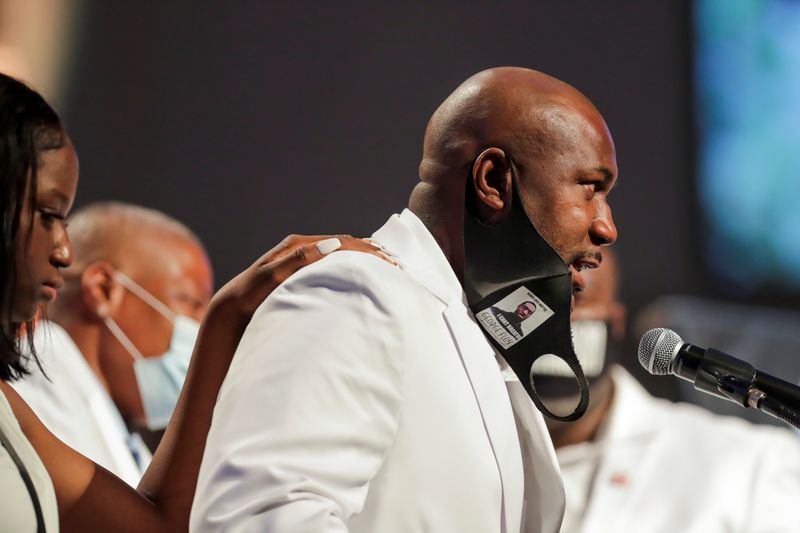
(250, 120)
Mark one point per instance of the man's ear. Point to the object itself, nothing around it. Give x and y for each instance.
(492, 179)
(101, 293)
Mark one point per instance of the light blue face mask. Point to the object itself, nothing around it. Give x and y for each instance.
(159, 378)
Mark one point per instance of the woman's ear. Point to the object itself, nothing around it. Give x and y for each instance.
(492, 180)
(101, 293)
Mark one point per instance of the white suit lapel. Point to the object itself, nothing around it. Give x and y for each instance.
(420, 256)
(493, 401)
(544, 491)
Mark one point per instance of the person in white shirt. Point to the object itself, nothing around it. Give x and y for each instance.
(45, 484)
(638, 464)
(363, 396)
(117, 342)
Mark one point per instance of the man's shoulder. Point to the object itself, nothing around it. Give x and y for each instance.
(696, 426)
(724, 425)
(351, 272)
(347, 283)
(701, 428)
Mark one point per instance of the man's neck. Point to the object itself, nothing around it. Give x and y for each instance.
(443, 220)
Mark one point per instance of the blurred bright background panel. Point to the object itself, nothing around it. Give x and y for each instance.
(37, 38)
(748, 113)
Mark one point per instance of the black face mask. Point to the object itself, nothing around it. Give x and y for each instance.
(520, 291)
(553, 387)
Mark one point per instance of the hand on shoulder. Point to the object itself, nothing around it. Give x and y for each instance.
(244, 294)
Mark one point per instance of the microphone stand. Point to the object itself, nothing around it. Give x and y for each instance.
(749, 395)
(726, 377)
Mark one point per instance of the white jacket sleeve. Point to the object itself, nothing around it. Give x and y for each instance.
(310, 406)
(775, 487)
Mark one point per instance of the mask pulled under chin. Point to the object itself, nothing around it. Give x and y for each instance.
(555, 381)
(160, 379)
(520, 291)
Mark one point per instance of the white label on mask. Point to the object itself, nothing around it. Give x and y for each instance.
(514, 317)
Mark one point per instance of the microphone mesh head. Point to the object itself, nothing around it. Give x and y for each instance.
(657, 350)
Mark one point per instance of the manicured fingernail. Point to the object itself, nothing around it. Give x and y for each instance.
(377, 245)
(384, 251)
(390, 259)
(328, 245)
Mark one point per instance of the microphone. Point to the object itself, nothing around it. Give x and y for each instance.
(662, 351)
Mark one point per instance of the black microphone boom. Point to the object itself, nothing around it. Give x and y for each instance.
(662, 351)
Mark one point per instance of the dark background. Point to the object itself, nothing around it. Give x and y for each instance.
(251, 120)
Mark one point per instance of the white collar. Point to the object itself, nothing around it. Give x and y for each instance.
(418, 253)
(407, 238)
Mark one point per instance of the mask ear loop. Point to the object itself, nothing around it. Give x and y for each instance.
(144, 295)
(583, 404)
(123, 339)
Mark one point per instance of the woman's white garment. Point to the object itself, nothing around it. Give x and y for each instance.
(16, 508)
(77, 409)
(659, 466)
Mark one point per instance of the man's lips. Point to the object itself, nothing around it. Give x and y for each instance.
(585, 261)
(578, 281)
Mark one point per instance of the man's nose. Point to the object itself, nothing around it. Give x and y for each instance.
(603, 231)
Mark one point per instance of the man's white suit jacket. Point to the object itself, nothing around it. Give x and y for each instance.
(667, 466)
(363, 397)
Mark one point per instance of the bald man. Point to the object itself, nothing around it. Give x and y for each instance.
(119, 337)
(638, 464)
(364, 397)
